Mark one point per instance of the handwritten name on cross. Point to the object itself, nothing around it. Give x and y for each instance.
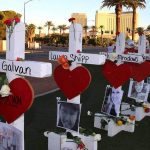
(75, 45)
(16, 49)
(120, 48)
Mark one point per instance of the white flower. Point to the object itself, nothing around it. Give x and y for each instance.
(58, 98)
(5, 90)
(97, 137)
(129, 121)
(89, 113)
(113, 56)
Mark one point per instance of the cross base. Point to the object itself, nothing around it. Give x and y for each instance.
(60, 141)
(110, 125)
(138, 112)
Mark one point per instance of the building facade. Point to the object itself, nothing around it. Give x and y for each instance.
(80, 18)
(108, 20)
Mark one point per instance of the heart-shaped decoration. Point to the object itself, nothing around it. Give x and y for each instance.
(13, 106)
(72, 82)
(140, 71)
(116, 75)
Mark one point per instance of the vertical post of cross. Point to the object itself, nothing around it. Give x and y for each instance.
(75, 45)
(17, 49)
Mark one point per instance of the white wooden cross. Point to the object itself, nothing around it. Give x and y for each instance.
(75, 54)
(14, 68)
(75, 45)
(120, 56)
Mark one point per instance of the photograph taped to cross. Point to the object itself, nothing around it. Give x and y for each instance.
(138, 91)
(68, 115)
(112, 101)
(10, 137)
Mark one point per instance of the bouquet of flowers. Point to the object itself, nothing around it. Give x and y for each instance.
(10, 24)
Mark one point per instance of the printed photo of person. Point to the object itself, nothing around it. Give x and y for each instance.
(148, 80)
(68, 115)
(10, 137)
(138, 91)
(112, 101)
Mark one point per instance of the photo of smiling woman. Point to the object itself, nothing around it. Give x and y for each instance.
(68, 115)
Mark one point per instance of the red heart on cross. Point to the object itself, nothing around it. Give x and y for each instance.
(140, 71)
(13, 106)
(72, 82)
(116, 75)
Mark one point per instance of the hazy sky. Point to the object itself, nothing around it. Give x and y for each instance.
(58, 11)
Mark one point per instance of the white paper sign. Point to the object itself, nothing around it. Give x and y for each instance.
(26, 68)
(82, 58)
(130, 58)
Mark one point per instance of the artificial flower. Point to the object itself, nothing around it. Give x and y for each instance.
(78, 51)
(19, 59)
(147, 110)
(97, 137)
(113, 56)
(89, 113)
(71, 19)
(117, 33)
(119, 122)
(5, 90)
(64, 62)
(132, 117)
(77, 140)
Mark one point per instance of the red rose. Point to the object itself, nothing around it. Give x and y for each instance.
(71, 19)
(117, 33)
(140, 33)
(81, 146)
(8, 22)
(147, 110)
(17, 20)
(78, 51)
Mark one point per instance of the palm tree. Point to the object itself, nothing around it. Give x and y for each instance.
(140, 30)
(148, 28)
(39, 28)
(134, 4)
(118, 10)
(60, 27)
(64, 27)
(85, 29)
(54, 29)
(101, 27)
(48, 24)
(93, 30)
(30, 32)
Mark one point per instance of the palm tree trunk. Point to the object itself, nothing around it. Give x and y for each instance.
(133, 23)
(102, 36)
(48, 30)
(118, 11)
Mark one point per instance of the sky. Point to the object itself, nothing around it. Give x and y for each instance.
(39, 12)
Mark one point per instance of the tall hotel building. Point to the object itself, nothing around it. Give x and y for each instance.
(108, 20)
(80, 18)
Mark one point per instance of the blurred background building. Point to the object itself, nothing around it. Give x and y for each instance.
(108, 21)
(80, 18)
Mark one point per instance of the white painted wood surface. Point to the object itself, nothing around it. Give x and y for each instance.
(16, 49)
(112, 128)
